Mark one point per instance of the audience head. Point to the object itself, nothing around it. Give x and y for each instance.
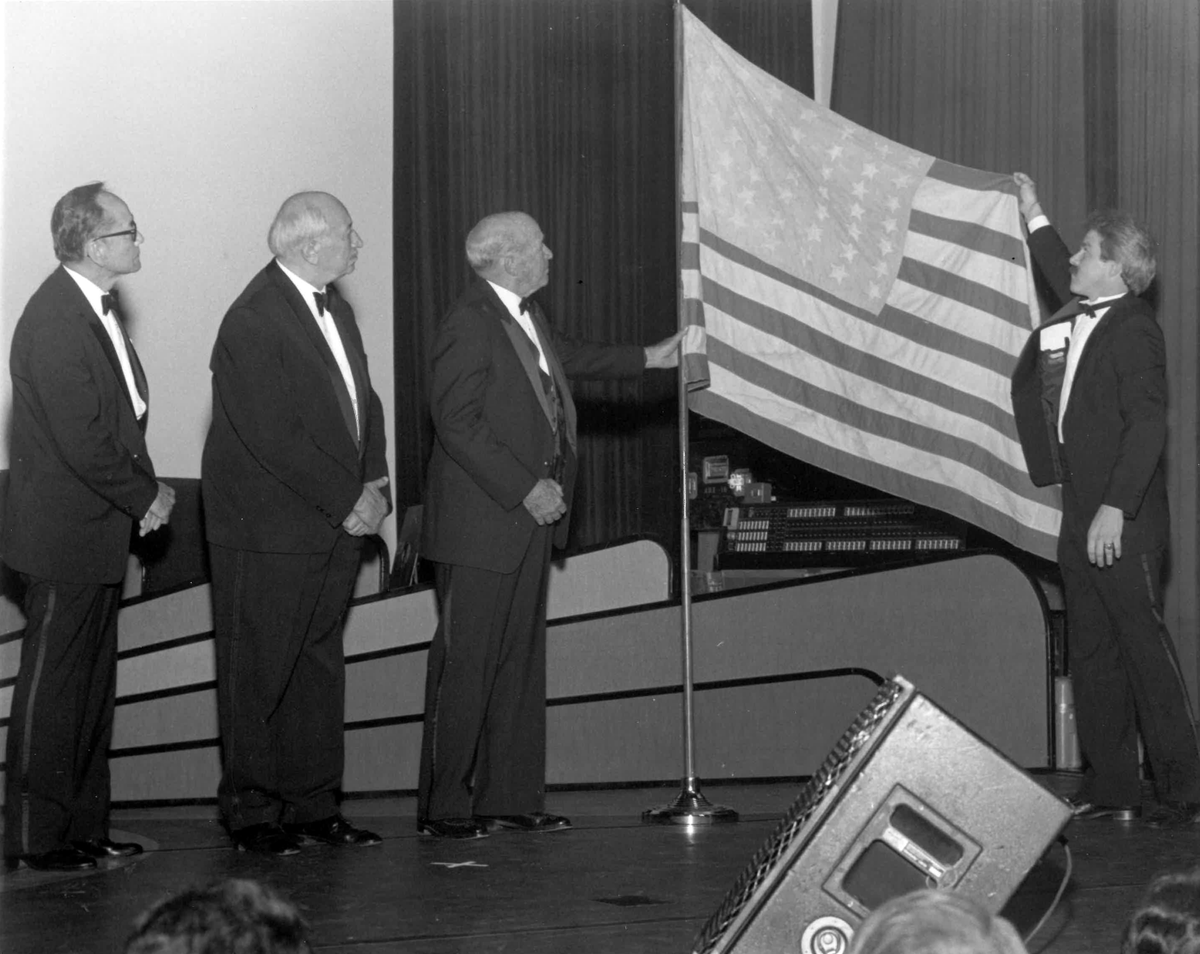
(1168, 919)
(314, 236)
(231, 917)
(508, 248)
(935, 922)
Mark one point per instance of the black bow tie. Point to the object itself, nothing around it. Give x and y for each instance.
(108, 302)
(525, 304)
(322, 300)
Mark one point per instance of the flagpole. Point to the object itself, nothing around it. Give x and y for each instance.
(690, 807)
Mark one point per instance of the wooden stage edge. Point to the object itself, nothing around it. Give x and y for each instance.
(610, 886)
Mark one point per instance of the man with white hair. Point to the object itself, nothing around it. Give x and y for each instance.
(293, 477)
(498, 493)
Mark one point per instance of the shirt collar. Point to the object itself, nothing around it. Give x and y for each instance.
(306, 290)
(1105, 300)
(90, 289)
(512, 301)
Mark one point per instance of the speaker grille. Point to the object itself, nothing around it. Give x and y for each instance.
(795, 821)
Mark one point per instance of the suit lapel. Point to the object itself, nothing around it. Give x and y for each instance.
(83, 308)
(556, 372)
(316, 337)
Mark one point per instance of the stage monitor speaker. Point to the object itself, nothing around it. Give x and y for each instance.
(908, 798)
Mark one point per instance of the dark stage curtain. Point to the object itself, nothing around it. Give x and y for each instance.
(563, 109)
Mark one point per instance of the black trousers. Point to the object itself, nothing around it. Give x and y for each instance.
(483, 751)
(56, 786)
(1126, 677)
(281, 682)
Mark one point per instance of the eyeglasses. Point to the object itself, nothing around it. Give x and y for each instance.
(132, 232)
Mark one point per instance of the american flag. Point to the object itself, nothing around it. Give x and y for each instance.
(851, 301)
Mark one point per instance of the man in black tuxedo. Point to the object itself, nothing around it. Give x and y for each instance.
(500, 478)
(292, 476)
(1089, 395)
(80, 479)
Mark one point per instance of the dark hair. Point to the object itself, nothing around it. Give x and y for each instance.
(1123, 241)
(1168, 919)
(76, 218)
(229, 917)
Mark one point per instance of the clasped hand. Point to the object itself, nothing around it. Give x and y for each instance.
(160, 510)
(545, 501)
(369, 511)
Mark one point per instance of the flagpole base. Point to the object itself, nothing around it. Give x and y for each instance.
(690, 807)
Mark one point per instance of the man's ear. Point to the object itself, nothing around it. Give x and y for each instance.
(310, 250)
(94, 252)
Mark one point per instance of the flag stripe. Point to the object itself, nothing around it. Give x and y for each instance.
(969, 235)
(944, 432)
(967, 178)
(955, 335)
(930, 493)
(791, 344)
(921, 451)
(948, 285)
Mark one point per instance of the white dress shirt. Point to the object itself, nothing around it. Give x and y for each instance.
(512, 301)
(329, 328)
(94, 293)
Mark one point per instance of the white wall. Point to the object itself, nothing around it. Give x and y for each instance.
(203, 117)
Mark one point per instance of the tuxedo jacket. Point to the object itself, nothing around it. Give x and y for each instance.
(80, 475)
(284, 462)
(1115, 427)
(493, 430)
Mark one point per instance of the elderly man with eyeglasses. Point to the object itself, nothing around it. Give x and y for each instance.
(80, 480)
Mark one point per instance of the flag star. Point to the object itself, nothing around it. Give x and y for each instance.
(847, 132)
(837, 273)
(746, 195)
(725, 158)
(717, 181)
(870, 170)
(859, 189)
(770, 245)
(822, 213)
(786, 195)
(886, 247)
(902, 180)
(808, 114)
(914, 161)
(884, 149)
(823, 192)
(826, 172)
(814, 233)
(881, 268)
(754, 175)
(738, 219)
(849, 252)
(856, 210)
(855, 231)
(893, 203)
(889, 225)
(762, 149)
(834, 152)
(873, 291)
(778, 220)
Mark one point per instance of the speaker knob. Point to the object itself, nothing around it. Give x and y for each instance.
(827, 935)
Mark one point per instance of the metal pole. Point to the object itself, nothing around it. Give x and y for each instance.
(690, 807)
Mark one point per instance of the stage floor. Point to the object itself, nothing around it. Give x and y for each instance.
(609, 886)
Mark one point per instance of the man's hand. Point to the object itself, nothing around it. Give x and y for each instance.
(665, 354)
(369, 510)
(160, 510)
(545, 502)
(1104, 536)
(1027, 200)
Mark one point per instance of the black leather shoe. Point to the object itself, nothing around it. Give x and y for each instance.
(1087, 811)
(105, 848)
(60, 859)
(531, 821)
(265, 838)
(334, 830)
(452, 827)
(1175, 815)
